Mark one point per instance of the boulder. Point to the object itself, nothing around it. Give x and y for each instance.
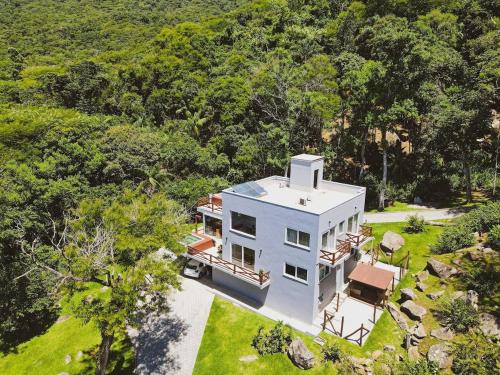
(444, 333)
(439, 353)
(419, 331)
(472, 298)
(488, 250)
(421, 286)
(392, 242)
(414, 311)
(422, 275)
(440, 269)
(79, 355)
(408, 294)
(475, 255)
(362, 366)
(300, 355)
(413, 353)
(389, 348)
(458, 294)
(489, 325)
(435, 295)
(397, 316)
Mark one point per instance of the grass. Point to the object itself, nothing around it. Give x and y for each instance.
(396, 207)
(45, 354)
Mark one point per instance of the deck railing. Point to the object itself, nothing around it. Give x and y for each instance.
(357, 238)
(213, 203)
(332, 256)
(217, 262)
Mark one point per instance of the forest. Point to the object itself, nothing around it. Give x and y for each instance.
(116, 116)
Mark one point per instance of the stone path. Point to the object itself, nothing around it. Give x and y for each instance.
(399, 216)
(169, 344)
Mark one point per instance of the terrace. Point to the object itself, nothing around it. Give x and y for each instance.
(211, 203)
(343, 247)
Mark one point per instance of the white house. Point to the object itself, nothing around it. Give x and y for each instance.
(287, 243)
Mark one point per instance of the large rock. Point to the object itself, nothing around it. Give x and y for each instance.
(440, 269)
(300, 355)
(392, 241)
(414, 311)
(419, 331)
(408, 294)
(489, 324)
(439, 353)
(472, 298)
(444, 333)
(413, 353)
(397, 316)
(362, 366)
(435, 295)
(421, 286)
(422, 275)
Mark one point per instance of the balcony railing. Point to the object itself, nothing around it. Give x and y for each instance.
(343, 248)
(260, 278)
(358, 238)
(213, 203)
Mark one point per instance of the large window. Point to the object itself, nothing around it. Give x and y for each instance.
(352, 224)
(296, 272)
(243, 256)
(323, 271)
(213, 226)
(324, 241)
(243, 223)
(297, 237)
(341, 227)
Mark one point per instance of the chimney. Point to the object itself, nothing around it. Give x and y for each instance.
(306, 172)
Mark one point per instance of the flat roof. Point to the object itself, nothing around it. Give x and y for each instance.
(277, 191)
(307, 157)
(372, 276)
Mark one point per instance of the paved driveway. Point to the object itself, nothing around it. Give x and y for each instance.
(169, 344)
(428, 214)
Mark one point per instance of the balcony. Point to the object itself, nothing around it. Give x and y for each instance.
(330, 257)
(358, 239)
(209, 256)
(211, 203)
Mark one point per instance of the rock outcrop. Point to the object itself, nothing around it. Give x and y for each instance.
(439, 353)
(444, 333)
(440, 269)
(397, 316)
(300, 355)
(435, 295)
(392, 242)
(489, 325)
(408, 294)
(414, 311)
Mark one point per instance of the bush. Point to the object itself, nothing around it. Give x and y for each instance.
(276, 341)
(481, 219)
(458, 315)
(475, 355)
(494, 237)
(414, 224)
(453, 238)
(484, 279)
(331, 352)
(421, 367)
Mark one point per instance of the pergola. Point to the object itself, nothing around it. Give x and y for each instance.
(369, 283)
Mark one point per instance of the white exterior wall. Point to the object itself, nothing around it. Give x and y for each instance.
(286, 295)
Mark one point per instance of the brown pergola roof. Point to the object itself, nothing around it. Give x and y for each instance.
(372, 276)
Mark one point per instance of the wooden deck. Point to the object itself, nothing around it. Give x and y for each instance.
(356, 239)
(212, 203)
(333, 256)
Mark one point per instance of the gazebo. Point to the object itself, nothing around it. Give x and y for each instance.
(369, 283)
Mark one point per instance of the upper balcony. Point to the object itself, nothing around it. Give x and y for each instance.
(343, 248)
(211, 204)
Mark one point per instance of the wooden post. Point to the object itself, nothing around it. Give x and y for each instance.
(341, 326)
(338, 297)
(361, 335)
(393, 283)
(234, 268)
(392, 255)
(374, 313)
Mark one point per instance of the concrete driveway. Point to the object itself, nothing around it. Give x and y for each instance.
(169, 344)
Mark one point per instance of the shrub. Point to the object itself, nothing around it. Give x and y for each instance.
(453, 238)
(494, 237)
(475, 355)
(458, 315)
(331, 352)
(484, 279)
(276, 341)
(420, 367)
(414, 224)
(481, 219)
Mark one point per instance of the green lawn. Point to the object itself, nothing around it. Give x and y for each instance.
(230, 329)
(45, 354)
(396, 207)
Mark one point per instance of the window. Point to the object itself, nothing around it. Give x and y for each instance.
(297, 237)
(243, 223)
(352, 224)
(243, 256)
(324, 241)
(349, 224)
(324, 271)
(296, 272)
(213, 226)
(315, 183)
(341, 227)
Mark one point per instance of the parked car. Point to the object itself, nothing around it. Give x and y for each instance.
(195, 269)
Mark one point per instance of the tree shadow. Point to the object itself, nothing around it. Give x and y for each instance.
(152, 343)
